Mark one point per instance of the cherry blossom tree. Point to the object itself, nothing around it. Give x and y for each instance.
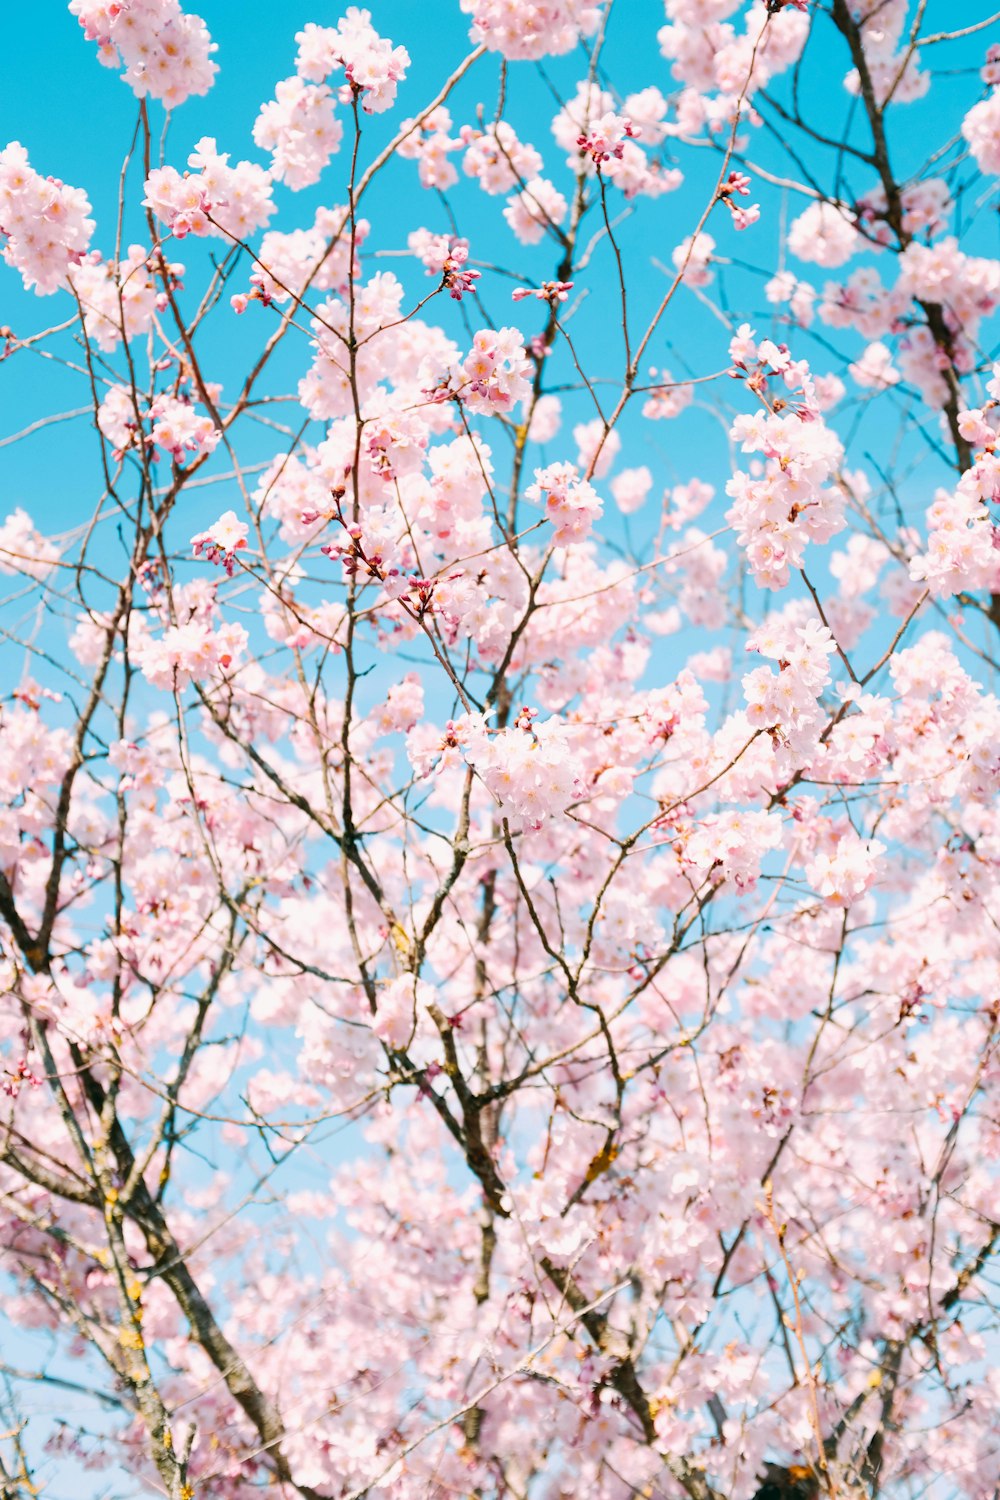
(500, 901)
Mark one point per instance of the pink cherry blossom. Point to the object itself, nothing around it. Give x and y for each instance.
(214, 199)
(190, 652)
(372, 65)
(538, 206)
(222, 540)
(495, 371)
(119, 301)
(823, 235)
(875, 367)
(631, 487)
(981, 128)
(531, 28)
(166, 53)
(597, 448)
(692, 257)
(23, 549)
(299, 128)
(43, 223)
(571, 503)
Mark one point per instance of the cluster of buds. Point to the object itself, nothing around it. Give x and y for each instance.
(663, 726)
(240, 301)
(549, 291)
(607, 139)
(414, 593)
(440, 392)
(221, 542)
(353, 556)
(458, 278)
(337, 493)
(14, 1079)
(314, 517)
(419, 595)
(32, 694)
(149, 575)
(757, 364)
(739, 183)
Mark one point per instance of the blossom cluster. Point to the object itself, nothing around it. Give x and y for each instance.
(571, 503)
(371, 64)
(43, 222)
(221, 541)
(166, 52)
(529, 768)
(169, 423)
(530, 29)
(962, 538)
(792, 503)
(212, 199)
(495, 371)
(120, 301)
